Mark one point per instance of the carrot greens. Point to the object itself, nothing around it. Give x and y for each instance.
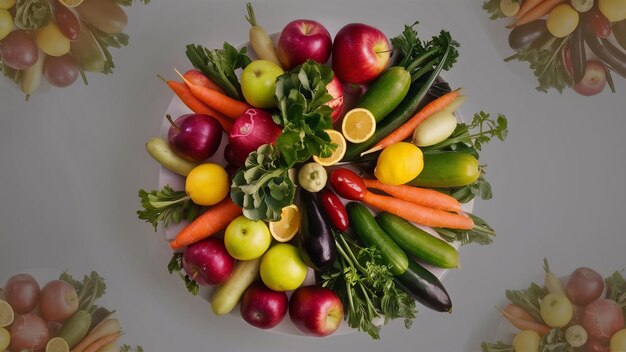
(366, 288)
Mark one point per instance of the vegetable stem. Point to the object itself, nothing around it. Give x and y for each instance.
(250, 17)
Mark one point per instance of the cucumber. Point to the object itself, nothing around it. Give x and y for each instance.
(76, 328)
(418, 242)
(386, 92)
(160, 150)
(371, 234)
(447, 169)
(425, 287)
(226, 296)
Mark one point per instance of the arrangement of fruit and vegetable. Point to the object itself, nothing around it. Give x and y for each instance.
(580, 312)
(567, 43)
(59, 316)
(323, 177)
(59, 39)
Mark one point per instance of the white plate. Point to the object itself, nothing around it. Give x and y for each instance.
(177, 182)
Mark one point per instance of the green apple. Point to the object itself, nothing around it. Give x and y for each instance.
(556, 310)
(246, 239)
(282, 269)
(258, 83)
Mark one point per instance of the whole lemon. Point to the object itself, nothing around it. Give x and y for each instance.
(207, 184)
(399, 163)
(614, 10)
(282, 269)
(562, 20)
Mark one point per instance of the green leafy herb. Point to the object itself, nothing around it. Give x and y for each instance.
(616, 289)
(481, 233)
(493, 8)
(481, 187)
(32, 14)
(105, 41)
(367, 289)
(496, 347)
(89, 289)
(301, 96)
(166, 206)
(554, 341)
(127, 348)
(220, 65)
(176, 265)
(263, 187)
(10, 73)
(546, 64)
(528, 299)
(418, 57)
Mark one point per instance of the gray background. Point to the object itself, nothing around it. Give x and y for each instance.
(72, 160)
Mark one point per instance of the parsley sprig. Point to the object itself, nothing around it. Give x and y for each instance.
(166, 206)
(366, 288)
(89, 289)
(176, 265)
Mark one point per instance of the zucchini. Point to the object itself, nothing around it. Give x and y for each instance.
(76, 328)
(418, 242)
(401, 114)
(386, 92)
(425, 287)
(227, 295)
(372, 235)
(447, 169)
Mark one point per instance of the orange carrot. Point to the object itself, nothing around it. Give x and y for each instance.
(198, 78)
(423, 196)
(222, 103)
(196, 105)
(418, 213)
(209, 223)
(522, 320)
(537, 12)
(103, 341)
(406, 130)
(526, 6)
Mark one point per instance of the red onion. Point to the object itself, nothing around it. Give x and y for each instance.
(251, 130)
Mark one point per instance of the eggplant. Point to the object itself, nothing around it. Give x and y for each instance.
(425, 287)
(578, 54)
(530, 35)
(316, 242)
(612, 56)
(619, 31)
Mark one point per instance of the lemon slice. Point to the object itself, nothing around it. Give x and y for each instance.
(358, 125)
(288, 225)
(71, 3)
(57, 344)
(6, 314)
(340, 151)
(509, 8)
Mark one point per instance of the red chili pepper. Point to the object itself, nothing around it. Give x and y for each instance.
(348, 184)
(335, 210)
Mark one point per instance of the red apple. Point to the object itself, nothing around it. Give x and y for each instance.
(262, 307)
(335, 88)
(360, 53)
(195, 137)
(594, 79)
(207, 262)
(302, 40)
(315, 310)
